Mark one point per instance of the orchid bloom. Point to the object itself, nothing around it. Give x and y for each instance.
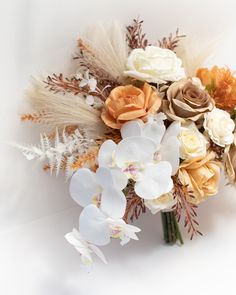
(84, 248)
(105, 204)
(147, 154)
(135, 157)
(166, 140)
(98, 227)
(87, 187)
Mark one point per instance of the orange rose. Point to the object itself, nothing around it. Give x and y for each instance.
(202, 176)
(209, 77)
(126, 103)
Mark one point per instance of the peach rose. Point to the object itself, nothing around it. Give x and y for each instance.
(202, 176)
(126, 103)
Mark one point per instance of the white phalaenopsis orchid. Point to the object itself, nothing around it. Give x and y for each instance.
(135, 157)
(122, 230)
(98, 227)
(84, 248)
(105, 204)
(87, 187)
(166, 140)
(147, 154)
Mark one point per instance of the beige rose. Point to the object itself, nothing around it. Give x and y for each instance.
(230, 165)
(126, 103)
(202, 176)
(186, 100)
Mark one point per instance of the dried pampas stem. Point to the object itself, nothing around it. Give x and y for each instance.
(192, 56)
(108, 48)
(61, 110)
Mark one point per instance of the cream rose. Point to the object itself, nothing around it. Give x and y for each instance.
(164, 202)
(219, 127)
(192, 143)
(154, 65)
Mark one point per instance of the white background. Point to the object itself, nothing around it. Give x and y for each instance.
(36, 210)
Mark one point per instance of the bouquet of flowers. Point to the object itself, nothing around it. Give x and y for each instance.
(137, 127)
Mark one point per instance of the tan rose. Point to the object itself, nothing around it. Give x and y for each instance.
(202, 176)
(127, 103)
(230, 165)
(186, 100)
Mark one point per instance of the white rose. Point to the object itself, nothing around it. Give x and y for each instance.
(164, 202)
(219, 127)
(154, 65)
(193, 144)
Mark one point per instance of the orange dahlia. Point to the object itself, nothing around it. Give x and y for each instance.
(221, 85)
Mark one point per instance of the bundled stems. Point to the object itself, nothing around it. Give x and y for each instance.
(171, 229)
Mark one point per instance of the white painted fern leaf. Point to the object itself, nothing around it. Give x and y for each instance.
(61, 151)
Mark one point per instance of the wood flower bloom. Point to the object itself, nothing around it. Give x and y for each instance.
(187, 101)
(202, 176)
(126, 103)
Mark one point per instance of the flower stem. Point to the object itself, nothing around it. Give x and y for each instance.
(171, 229)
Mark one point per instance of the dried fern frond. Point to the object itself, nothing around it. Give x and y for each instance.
(60, 153)
(135, 205)
(64, 109)
(106, 47)
(181, 193)
(172, 41)
(134, 36)
(59, 83)
(87, 159)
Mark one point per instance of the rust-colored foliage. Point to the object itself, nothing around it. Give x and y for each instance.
(172, 41)
(134, 36)
(180, 193)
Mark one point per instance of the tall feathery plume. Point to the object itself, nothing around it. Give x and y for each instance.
(192, 55)
(62, 109)
(107, 47)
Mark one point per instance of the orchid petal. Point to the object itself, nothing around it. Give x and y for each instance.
(156, 182)
(134, 149)
(154, 131)
(132, 128)
(93, 226)
(169, 152)
(98, 252)
(76, 240)
(105, 153)
(173, 129)
(111, 177)
(113, 202)
(83, 186)
(120, 179)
